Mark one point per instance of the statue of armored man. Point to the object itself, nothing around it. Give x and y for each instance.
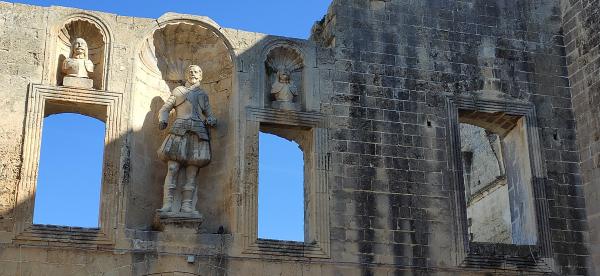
(78, 66)
(188, 142)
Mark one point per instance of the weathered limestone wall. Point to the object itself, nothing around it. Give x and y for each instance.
(380, 82)
(581, 38)
(518, 167)
(484, 167)
(490, 213)
(486, 190)
(396, 63)
(22, 30)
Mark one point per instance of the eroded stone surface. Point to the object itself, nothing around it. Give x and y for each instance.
(374, 90)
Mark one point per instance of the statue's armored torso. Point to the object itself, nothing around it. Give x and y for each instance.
(190, 106)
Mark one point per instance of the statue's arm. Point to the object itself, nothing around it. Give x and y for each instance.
(210, 118)
(64, 65)
(275, 87)
(89, 66)
(293, 89)
(163, 113)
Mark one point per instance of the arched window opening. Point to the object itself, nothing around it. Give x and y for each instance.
(70, 171)
(280, 189)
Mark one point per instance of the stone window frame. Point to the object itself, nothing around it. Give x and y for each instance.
(492, 255)
(316, 189)
(87, 100)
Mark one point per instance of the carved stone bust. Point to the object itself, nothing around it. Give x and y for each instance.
(284, 91)
(284, 70)
(78, 66)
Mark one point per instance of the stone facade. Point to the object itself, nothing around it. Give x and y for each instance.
(581, 36)
(401, 70)
(382, 86)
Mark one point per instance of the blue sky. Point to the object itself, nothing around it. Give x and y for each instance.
(67, 135)
(70, 167)
(293, 18)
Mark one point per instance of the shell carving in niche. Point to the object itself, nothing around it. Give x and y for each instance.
(284, 59)
(175, 46)
(284, 78)
(92, 34)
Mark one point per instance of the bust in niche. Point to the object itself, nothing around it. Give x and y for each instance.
(284, 92)
(78, 66)
(284, 67)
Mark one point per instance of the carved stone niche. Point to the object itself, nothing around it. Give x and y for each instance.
(284, 67)
(162, 60)
(78, 29)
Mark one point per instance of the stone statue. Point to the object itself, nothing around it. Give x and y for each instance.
(78, 66)
(188, 142)
(284, 92)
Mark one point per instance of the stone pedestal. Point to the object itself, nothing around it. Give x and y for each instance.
(166, 220)
(284, 105)
(78, 82)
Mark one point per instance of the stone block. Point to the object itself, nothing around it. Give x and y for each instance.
(78, 82)
(9, 268)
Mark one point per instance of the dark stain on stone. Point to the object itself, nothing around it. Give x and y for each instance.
(365, 212)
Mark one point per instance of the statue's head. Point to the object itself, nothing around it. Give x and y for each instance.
(79, 48)
(193, 74)
(283, 76)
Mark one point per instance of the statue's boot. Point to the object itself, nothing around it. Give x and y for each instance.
(168, 198)
(186, 202)
(169, 186)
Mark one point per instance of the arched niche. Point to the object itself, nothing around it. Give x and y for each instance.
(176, 45)
(161, 61)
(98, 40)
(284, 60)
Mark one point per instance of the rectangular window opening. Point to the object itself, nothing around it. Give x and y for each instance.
(281, 193)
(497, 178)
(70, 170)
